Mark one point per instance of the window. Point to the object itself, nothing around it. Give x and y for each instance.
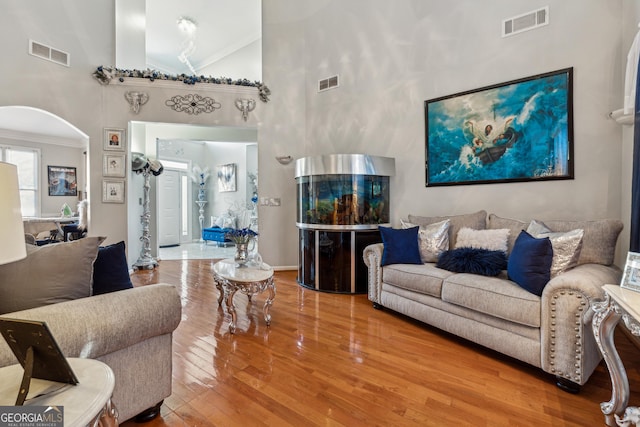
(27, 161)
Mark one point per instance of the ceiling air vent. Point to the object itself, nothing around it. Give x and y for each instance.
(47, 52)
(525, 22)
(328, 83)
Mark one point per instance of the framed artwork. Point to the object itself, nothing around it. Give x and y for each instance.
(62, 181)
(631, 275)
(114, 139)
(113, 165)
(227, 177)
(521, 130)
(112, 191)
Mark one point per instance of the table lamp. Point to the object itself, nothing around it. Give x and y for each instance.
(12, 246)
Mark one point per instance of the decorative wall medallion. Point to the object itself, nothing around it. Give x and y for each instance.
(246, 106)
(192, 104)
(136, 100)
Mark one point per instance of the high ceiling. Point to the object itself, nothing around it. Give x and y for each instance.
(223, 27)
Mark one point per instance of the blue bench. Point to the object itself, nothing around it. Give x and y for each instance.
(216, 234)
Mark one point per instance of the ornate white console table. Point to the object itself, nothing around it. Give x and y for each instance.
(619, 304)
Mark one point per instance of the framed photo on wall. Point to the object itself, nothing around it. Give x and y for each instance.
(62, 181)
(521, 130)
(113, 165)
(227, 177)
(631, 275)
(114, 139)
(113, 191)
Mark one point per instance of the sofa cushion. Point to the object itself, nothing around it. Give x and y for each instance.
(598, 243)
(494, 296)
(433, 239)
(424, 278)
(110, 270)
(471, 260)
(514, 226)
(400, 246)
(566, 246)
(476, 220)
(530, 262)
(48, 275)
(493, 240)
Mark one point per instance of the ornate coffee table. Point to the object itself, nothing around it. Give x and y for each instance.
(250, 279)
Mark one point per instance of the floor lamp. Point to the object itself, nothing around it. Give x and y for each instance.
(146, 167)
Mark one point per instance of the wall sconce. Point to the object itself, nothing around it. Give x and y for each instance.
(284, 160)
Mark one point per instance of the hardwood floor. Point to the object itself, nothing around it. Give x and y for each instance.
(333, 360)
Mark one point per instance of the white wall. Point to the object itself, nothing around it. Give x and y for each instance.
(245, 63)
(392, 56)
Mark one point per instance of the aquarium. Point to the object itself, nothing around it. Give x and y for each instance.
(343, 191)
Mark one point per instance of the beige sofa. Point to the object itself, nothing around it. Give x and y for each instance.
(552, 331)
(129, 330)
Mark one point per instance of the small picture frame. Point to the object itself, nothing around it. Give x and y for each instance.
(631, 275)
(112, 191)
(114, 139)
(113, 165)
(62, 181)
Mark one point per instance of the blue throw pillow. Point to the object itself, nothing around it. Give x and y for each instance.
(110, 270)
(473, 260)
(400, 246)
(530, 262)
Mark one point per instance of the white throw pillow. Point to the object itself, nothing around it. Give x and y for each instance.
(566, 245)
(433, 239)
(493, 240)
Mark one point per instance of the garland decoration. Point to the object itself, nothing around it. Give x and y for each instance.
(104, 75)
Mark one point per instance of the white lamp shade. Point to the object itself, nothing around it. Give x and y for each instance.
(12, 244)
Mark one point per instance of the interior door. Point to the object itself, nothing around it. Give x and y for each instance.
(169, 208)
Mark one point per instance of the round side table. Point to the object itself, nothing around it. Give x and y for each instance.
(250, 279)
(85, 403)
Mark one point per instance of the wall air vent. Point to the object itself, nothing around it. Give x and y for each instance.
(50, 54)
(328, 83)
(525, 22)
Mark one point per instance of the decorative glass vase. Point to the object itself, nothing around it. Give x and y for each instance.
(242, 253)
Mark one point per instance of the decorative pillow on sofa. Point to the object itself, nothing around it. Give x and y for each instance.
(566, 246)
(110, 270)
(473, 260)
(530, 262)
(493, 240)
(476, 220)
(433, 239)
(400, 246)
(48, 275)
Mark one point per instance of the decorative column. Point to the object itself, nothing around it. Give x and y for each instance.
(145, 261)
(201, 204)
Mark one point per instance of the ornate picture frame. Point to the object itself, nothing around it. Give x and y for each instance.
(113, 191)
(521, 130)
(114, 139)
(631, 275)
(114, 165)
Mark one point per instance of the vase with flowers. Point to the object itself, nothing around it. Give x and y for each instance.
(245, 241)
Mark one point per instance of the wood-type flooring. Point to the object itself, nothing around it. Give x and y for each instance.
(334, 360)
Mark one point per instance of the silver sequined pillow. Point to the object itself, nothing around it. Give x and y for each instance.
(433, 239)
(566, 245)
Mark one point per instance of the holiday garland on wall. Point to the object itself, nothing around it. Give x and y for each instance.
(105, 74)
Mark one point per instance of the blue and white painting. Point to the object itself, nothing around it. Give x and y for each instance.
(516, 131)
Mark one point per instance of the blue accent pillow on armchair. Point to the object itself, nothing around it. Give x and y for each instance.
(530, 262)
(110, 270)
(400, 246)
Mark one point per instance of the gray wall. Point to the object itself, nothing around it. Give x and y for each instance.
(391, 56)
